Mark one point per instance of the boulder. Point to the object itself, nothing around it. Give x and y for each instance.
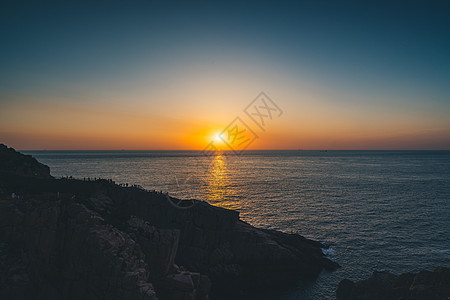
(425, 285)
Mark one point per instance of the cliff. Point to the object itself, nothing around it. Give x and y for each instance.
(71, 239)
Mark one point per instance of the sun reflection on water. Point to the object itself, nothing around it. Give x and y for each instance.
(218, 190)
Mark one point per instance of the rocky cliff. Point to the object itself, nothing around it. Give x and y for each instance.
(71, 239)
(425, 285)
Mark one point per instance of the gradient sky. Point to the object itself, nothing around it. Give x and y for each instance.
(166, 75)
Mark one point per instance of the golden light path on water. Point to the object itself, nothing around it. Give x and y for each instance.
(218, 184)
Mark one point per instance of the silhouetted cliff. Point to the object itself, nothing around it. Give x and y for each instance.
(71, 239)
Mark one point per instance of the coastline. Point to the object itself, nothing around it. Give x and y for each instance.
(172, 253)
(67, 236)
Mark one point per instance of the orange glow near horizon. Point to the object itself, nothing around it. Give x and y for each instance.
(308, 124)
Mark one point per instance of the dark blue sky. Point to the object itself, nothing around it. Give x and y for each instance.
(356, 42)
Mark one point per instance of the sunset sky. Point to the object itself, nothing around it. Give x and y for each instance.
(166, 75)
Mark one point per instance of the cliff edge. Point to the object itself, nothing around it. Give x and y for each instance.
(70, 239)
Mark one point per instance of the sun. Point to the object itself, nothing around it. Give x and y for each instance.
(218, 138)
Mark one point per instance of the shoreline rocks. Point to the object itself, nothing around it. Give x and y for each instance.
(425, 285)
(98, 240)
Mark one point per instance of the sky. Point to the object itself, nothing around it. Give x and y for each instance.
(176, 75)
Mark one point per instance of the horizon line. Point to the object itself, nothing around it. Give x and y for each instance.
(230, 150)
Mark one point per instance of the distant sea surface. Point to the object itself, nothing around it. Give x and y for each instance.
(377, 210)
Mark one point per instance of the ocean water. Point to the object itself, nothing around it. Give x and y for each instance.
(377, 210)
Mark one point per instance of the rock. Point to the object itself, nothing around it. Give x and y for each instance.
(426, 285)
(159, 245)
(186, 285)
(98, 240)
(181, 281)
(13, 162)
(15, 274)
(75, 254)
(235, 255)
(345, 289)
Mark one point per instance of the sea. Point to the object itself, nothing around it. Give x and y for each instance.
(375, 210)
